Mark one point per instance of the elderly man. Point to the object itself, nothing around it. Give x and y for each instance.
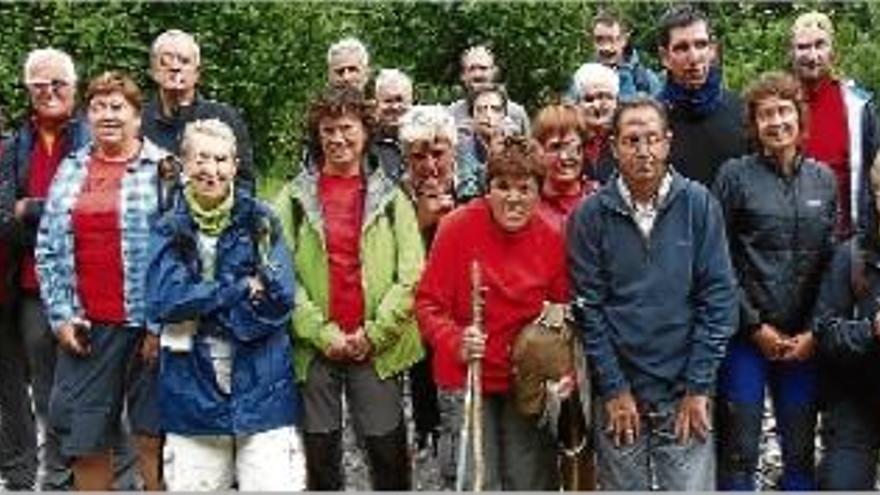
(846, 137)
(478, 69)
(706, 119)
(175, 61)
(30, 159)
(348, 63)
(654, 295)
(610, 36)
(597, 89)
(394, 96)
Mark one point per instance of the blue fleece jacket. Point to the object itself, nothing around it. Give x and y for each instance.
(656, 313)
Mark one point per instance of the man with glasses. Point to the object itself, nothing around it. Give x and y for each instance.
(654, 294)
(30, 159)
(175, 63)
(706, 119)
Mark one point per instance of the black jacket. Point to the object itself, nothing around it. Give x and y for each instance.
(700, 144)
(167, 132)
(780, 231)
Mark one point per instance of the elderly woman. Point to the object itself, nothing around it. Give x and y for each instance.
(522, 264)
(848, 334)
(428, 137)
(358, 255)
(91, 258)
(596, 88)
(558, 130)
(780, 209)
(221, 283)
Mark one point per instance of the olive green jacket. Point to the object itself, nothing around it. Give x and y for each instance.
(392, 256)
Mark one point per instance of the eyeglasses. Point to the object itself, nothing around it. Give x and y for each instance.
(168, 59)
(601, 95)
(632, 142)
(55, 85)
(570, 148)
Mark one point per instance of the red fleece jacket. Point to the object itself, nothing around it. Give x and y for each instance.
(519, 270)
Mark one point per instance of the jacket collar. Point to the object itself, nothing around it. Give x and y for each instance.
(380, 190)
(150, 154)
(610, 197)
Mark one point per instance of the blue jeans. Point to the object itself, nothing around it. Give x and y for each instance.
(851, 434)
(656, 459)
(793, 388)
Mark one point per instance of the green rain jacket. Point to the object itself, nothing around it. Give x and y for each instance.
(392, 256)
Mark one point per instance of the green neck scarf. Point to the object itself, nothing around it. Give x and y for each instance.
(210, 222)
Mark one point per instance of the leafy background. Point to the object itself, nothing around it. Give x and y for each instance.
(269, 58)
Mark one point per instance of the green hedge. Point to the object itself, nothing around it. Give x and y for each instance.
(268, 58)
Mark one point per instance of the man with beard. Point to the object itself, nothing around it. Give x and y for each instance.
(478, 70)
(175, 62)
(845, 137)
(394, 96)
(705, 118)
(596, 88)
(653, 293)
(611, 46)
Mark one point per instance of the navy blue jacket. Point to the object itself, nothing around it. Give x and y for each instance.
(263, 395)
(15, 169)
(655, 313)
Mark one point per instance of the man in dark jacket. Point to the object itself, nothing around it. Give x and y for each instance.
(706, 119)
(174, 64)
(654, 297)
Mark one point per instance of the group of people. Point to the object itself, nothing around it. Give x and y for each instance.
(162, 327)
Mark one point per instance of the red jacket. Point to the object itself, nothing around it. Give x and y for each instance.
(519, 270)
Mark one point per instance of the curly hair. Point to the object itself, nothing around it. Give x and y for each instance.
(515, 157)
(780, 85)
(334, 102)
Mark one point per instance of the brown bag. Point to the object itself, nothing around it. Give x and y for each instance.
(542, 351)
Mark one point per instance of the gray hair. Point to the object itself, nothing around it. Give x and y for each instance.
(593, 73)
(427, 123)
(172, 35)
(349, 44)
(387, 76)
(475, 50)
(49, 55)
(207, 127)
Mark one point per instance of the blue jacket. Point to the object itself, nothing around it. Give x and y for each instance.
(655, 313)
(263, 395)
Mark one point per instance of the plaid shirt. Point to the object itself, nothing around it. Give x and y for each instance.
(55, 239)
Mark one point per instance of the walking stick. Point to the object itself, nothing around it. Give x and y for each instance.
(472, 421)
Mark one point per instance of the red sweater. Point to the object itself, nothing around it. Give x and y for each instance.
(98, 242)
(556, 209)
(520, 271)
(828, 140)
(342, 200)
(44, 164)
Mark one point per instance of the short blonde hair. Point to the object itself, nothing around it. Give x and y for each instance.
(813, 19)
(427, 123)
(215, 128)
(595, 73)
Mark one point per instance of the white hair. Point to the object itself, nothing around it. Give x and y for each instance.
(477, 50)
(49, 55)
(594, 73)
(388, 76)
(207, 127)
(427, 123)
(346, 45)
(172, 35)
